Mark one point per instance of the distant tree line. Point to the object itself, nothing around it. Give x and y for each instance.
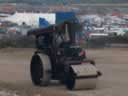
(17, 42)
(62, 1)
(106, 41)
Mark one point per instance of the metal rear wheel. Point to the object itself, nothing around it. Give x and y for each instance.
(36, 70)
(40, 69)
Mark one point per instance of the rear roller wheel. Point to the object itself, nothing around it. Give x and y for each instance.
(40, 70)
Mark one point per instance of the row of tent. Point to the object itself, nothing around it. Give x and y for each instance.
(40, 19)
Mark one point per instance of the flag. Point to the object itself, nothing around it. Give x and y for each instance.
(43, 23)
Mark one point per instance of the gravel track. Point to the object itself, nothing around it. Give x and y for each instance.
(15, 75)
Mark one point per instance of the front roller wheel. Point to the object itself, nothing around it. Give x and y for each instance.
(40, 70)
(82, 77)
(70, 79)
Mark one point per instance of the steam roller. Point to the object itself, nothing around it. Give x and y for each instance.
(58, 57)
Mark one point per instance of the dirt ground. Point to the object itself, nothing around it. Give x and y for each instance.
(114, 65)
(15, 75)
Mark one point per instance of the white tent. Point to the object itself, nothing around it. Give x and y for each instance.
(31, 19)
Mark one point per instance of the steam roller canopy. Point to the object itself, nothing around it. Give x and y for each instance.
(83, 76)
